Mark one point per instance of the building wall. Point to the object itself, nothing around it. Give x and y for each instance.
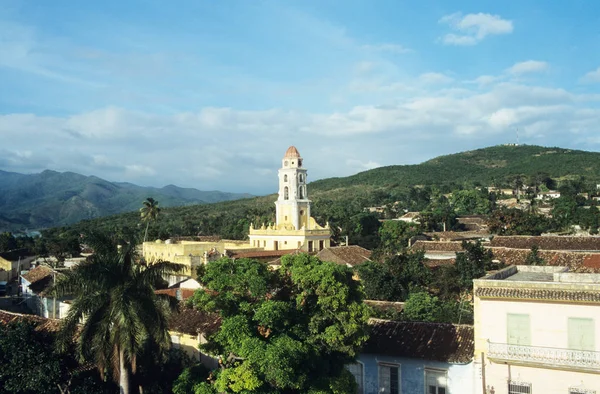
(189, 253)
(548, 322)
(548, 328)
(460, 378)
(190, 345)
(542, 380)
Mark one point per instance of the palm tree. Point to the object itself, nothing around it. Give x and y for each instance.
(149, 212)
(116, 312)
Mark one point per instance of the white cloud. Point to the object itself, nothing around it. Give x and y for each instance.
(472, 28)
(591, 77)
(526, 67)
(223, 148)
(434, 78)
(386, 47)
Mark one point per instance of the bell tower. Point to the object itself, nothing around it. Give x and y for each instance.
(292, 205)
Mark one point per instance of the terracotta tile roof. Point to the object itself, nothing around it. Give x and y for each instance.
(192, 321)
(351, 255)
(180, 294)
(40, 278)
(431, 263)
(427, 341)
(538, 294)
(547, 242)
(292, 152)
(458, 235)
(582, 262)
(592, 261)
(438, 246)
(41, 323)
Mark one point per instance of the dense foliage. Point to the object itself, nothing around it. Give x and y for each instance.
(285, 331)
(32, 364)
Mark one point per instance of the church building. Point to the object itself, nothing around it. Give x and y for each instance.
(294, 227)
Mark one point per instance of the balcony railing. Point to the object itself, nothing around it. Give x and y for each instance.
(552, 357)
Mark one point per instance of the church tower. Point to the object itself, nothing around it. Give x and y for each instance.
(294, 228)
(293, 205)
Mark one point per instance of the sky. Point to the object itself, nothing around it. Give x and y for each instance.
(209, 94)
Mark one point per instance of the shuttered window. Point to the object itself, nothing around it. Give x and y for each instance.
(389, 378)
(436, 382)
(518, 329)
(581, 334)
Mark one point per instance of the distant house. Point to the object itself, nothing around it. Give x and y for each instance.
(549, 195)
(12, 262)
(33, 288)
(189, 328)
(410, 217)
(416, 357)
(350, 256)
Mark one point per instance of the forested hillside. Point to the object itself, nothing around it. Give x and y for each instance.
(341, 201)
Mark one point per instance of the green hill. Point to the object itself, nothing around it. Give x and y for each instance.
(493, 165)
(47, 199)
(338, 199)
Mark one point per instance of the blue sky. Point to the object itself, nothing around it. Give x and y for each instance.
(209, 94)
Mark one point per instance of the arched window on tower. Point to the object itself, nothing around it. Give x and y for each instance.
(301, 178)
(285, 178)
(300, 192)
(286, 193)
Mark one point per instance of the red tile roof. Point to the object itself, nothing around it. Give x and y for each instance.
(351, 255)
(547, 242)
(428, 341)
(192, 321)
(438, 246)
(180, 294)
(41, 323)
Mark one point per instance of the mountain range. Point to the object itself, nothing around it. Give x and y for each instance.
(50, 198)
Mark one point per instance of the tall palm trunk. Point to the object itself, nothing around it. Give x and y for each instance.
(146, 232)
(124, 374)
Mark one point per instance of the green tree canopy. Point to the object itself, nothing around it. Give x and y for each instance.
(285, 331)
(396, 277)
(473, 262)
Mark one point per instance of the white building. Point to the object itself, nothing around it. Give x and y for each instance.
(535, 331)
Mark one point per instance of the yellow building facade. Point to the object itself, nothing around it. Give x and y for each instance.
(294, 228)
(536, 331)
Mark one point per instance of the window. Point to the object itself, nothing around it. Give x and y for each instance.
(357, 370)
(286, 193)
(581, 334)
(301, 178)
(285, 178)
(300, 192)
(321, 245)
(435, 381)
(310, 246)
(389, 378)
(518, 330)
(175, 341)
(519, 387)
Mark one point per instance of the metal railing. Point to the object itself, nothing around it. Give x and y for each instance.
(544, 355)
